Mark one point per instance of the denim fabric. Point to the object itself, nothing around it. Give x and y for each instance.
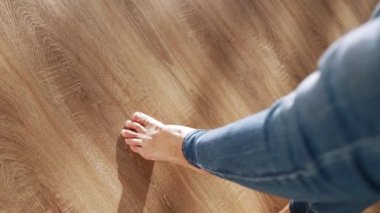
(320, 144)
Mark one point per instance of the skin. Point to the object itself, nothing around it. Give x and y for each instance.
(153, 140)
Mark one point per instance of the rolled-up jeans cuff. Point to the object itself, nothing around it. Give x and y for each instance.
(189, 146)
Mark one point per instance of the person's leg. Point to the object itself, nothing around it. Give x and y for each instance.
(302, 206)
(318, 144)
(172, 136)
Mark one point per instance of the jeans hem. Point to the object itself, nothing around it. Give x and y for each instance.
(189, 146)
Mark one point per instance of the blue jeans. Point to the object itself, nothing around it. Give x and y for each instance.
(320, 144)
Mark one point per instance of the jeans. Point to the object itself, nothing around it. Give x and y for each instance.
(320, 144)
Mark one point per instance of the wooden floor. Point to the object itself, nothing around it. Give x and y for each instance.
(72, 71)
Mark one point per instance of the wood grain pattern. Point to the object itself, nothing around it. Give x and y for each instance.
(72, 71)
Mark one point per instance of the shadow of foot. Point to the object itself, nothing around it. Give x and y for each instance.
(134, 174)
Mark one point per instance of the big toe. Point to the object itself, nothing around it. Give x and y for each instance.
(145, 119)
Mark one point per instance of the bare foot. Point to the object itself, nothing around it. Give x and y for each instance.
(154, 140)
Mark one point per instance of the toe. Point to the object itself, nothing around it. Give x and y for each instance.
(135, 126)
(133, 141)
(145, 119)
(128, 133)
